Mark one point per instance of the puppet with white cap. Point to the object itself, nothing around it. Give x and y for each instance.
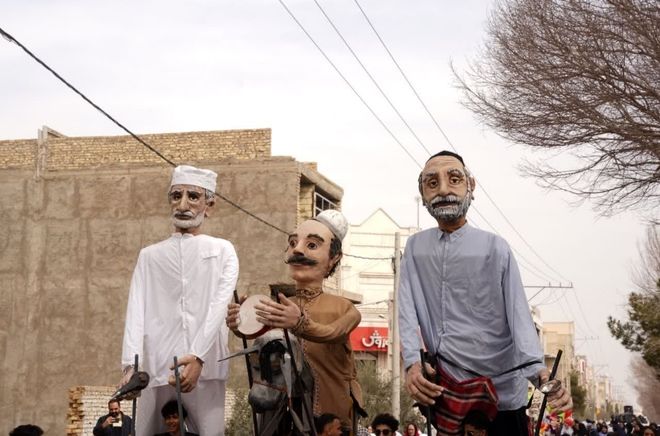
(321, 321)
(177, 306)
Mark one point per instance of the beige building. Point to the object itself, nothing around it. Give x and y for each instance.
(77, 210)
(604, 400)
(560, 336)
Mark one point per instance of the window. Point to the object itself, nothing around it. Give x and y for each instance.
(322, 203)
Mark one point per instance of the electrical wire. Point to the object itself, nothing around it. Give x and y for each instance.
(357, 94)
(10, 38)
(539, 273)
(350, 49)
(442, 132)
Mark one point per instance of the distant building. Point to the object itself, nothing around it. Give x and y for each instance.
(77, 210)
(560, 336)
(604, 398)
(371, 275)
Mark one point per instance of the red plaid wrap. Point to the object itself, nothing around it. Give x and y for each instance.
(459, 398)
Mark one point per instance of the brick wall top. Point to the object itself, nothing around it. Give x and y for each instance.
(19, 153)
(96, 151)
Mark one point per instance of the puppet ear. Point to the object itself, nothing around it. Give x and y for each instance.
(209, 207)
(333, 264)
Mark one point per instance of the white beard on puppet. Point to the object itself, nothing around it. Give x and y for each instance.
(179, 223)
(452, 212)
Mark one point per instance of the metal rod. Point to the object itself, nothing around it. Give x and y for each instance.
(182, 429)
(299, 380)
(134, 408)
(545, 396)
(396, 356)
(255, 422)
(428, 408)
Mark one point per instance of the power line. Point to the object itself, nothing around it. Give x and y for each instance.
(10, 38)
(374, 114)
(421, 101)
(368, 258)
(401, 117)
(371, 77)
(543, 288)
(357, 94)
(124, 128)
(518, 254)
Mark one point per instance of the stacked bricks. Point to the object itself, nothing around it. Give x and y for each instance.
(67, 153)
(18, 154)
(86, 405)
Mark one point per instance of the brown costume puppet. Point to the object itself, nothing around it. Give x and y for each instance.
(322, 322)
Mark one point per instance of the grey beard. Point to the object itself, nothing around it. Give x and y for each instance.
(450, 213)
(188, 224)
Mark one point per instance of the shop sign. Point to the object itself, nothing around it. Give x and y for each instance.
(369, 339)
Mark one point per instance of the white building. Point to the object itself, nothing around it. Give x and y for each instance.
(369, 272)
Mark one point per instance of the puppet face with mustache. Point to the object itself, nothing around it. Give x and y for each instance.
(300, 259)
(446, 189)
(448, 207)
(308, 254)
(189, 207)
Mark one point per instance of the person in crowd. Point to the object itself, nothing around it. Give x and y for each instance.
(115, 423)
(412, 430)
(460, 286)
(27, 430)
(475, 424)
(328, 424)
(580, 429)
(172, 420)
(648, 431)
(176, 307)
(322, 321)
(384, 424)
(567, 427)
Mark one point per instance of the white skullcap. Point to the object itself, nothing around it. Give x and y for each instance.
(335, 221)
(188, 175)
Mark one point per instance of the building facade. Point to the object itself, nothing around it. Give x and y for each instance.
(371, 275)
(560, 336)
(77, 210)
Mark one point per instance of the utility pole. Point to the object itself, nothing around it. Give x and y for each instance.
(544, 287)
(394, 334)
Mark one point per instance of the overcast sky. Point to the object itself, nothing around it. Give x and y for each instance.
(165, 66)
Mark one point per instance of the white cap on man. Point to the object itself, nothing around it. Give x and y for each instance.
(335, 221)
(189, 175)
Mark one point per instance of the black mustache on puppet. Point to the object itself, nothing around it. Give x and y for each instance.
(300, 259)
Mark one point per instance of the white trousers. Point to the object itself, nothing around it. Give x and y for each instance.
(205, 406)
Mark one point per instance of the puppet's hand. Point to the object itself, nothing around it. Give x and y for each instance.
(232, 318)
(419, 388)
(285, 314)
(558, 399)
(192, 368)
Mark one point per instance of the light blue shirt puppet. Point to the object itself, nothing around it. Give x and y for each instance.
(461, 289)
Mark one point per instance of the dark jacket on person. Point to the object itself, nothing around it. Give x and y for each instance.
(168, 434)
(124, 430)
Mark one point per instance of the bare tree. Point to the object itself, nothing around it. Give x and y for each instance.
(577, 78)
(641, 332)
(647, 387)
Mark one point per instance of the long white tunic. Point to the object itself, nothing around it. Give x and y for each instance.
(177, 305)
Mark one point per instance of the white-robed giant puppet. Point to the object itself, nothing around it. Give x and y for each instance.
(177, 306)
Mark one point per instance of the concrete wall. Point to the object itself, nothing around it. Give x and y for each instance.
(68, 243)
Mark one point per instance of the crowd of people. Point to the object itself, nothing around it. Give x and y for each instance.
(617, 426)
